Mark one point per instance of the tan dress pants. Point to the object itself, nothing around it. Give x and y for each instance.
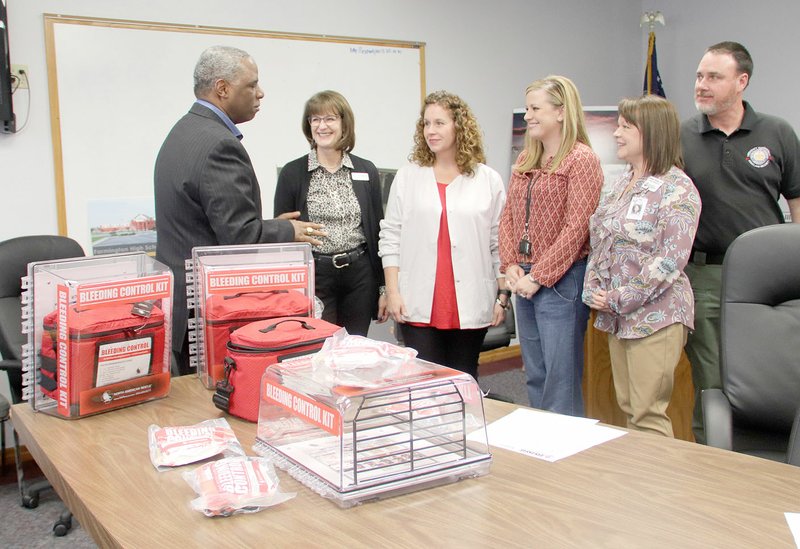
(644, 374)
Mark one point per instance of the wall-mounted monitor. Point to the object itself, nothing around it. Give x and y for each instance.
(7, 118)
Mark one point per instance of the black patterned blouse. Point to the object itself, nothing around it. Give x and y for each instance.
(331, 201)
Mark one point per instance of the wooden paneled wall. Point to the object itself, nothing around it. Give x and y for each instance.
(598, 385)
(601, 400)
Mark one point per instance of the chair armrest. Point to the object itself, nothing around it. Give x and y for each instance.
(13, 369)
(793, 451)
(717, 419)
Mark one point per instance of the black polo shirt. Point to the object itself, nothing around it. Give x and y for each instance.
(740, 176)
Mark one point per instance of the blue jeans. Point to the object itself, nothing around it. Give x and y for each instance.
(551, 327)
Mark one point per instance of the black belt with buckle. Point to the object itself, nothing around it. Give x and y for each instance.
(342, 259)
(702, 258)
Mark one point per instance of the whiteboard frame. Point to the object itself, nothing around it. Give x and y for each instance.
(52, 20)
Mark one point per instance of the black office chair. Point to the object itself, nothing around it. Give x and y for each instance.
(757, 411)
(5, 408)
(501, 336)
(15, 254)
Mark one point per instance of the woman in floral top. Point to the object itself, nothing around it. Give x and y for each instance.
(641, 237)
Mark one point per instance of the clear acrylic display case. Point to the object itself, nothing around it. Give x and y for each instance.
(372, 432)
(230, 286)
(98, 333)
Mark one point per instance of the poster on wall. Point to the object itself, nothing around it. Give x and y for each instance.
(518, 128)
(121, 225)
(601, 122)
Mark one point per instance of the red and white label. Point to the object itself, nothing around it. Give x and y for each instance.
(231, 282)
(62, 342)
(301, 406)
(123, 360)
(128, 291)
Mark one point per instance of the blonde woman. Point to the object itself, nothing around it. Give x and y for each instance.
(544, 241)
(438, 241)
(641, 237)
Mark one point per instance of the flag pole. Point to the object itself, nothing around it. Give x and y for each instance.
(652, 80)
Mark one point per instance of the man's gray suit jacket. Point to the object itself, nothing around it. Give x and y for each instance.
(206, 194)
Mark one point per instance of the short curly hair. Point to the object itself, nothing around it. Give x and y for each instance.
(469, 143)
(217, 63)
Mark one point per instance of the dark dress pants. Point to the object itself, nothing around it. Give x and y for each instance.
(457, 349)
(350, 294)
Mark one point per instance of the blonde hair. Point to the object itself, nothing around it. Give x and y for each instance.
(660, 128)
(331, 102)
(561, 93)
(469, 143)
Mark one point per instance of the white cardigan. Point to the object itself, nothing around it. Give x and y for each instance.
(410, 231)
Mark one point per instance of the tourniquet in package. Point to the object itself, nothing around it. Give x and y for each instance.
(235, 485)
(174, 446)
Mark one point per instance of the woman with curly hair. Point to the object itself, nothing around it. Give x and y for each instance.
(438, 241)
(544, 241)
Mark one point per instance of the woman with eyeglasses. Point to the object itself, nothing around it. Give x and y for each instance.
(439, 239)
(544, 241)
(333, 187)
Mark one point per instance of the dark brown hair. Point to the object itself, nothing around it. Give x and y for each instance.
(744, 63)
(331, 102)
(660, 128)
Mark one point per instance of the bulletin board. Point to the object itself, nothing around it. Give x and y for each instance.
(117, 87)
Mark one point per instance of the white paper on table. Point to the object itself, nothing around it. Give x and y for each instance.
(794, 525)
(545, 435)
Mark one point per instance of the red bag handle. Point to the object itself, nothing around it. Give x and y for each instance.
(244, 294)
(305, 325)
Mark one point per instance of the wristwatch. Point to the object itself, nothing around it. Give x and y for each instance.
(381, 290)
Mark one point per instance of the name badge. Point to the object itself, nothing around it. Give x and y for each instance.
(636, 209)
(360, 176)
(652, 184)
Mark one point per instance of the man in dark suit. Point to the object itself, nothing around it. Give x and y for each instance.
(206, 191)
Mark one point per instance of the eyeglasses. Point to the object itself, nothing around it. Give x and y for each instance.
(317, 120)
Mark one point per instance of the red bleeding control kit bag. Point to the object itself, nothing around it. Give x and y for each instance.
(98, 333)
(255, 347)
(231, 286)
(226, 313)
(106, 344)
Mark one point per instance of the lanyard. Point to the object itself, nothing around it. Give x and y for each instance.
(528, 203)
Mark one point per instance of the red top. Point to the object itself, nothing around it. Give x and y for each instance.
(444, 310)
(561, 204)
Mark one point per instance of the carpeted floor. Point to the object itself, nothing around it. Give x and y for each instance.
(22, 528)
(505, 383)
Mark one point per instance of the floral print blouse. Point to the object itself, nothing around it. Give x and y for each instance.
(640, 243)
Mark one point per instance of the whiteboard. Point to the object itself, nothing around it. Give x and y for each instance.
(117, 88)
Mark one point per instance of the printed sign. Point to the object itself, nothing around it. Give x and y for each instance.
(62, 342)
(231, 282)
(128, 291)
(313, 412)
(122, 360)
